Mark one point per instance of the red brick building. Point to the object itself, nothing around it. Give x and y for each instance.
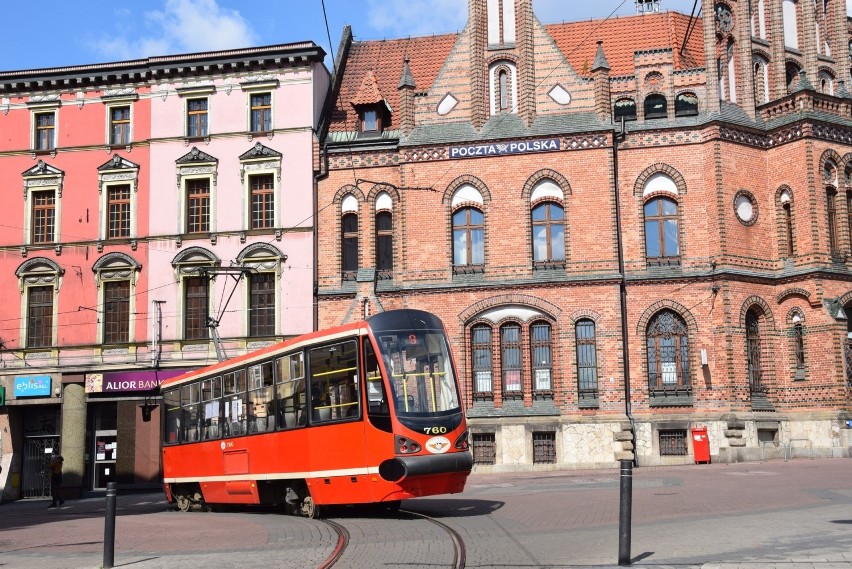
(631, 227)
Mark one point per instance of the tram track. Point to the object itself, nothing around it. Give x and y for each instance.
(459, 552)
(343, 540)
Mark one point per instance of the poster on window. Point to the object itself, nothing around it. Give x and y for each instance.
(483, 381)
(542, 380)
(513, 380)
(669, 373)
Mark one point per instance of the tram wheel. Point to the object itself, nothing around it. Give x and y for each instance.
(310, 509)
(183, 503)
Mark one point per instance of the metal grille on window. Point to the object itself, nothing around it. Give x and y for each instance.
(668, 352)
(544, 448)
(484, 448)
(673, 443)
(510, 346)
(587, 360)
(753, 341)
(542, 360)
(480, 345)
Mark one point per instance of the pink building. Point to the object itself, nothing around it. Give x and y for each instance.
(144, 198)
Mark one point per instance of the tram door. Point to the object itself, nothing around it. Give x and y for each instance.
(35, 478)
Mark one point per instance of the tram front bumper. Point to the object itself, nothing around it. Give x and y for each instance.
(402, 467)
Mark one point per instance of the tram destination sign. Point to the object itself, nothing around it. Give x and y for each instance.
(503, 148)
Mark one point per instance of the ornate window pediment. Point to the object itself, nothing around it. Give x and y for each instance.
(39, 271)
(116, 266)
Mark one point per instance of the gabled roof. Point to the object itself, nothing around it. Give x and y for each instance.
(385, 58)
(577, 41)
(622, 37)
(368, 93)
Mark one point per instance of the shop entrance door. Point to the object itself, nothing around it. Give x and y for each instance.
(35, 478)
(105, 451)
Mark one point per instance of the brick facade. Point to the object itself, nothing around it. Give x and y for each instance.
(731, 171)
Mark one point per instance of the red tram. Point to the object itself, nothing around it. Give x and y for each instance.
(367, 412)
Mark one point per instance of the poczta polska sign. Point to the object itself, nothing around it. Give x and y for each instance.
(504, 148)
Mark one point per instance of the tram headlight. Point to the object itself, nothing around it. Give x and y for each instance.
(461, 441)
(406, 446)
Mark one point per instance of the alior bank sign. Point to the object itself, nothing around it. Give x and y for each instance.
(121, 381)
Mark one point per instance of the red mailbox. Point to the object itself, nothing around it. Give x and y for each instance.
(700, 445)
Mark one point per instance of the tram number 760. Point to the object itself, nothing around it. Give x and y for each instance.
(435, 430)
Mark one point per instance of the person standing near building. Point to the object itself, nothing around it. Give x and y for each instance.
(55, 466)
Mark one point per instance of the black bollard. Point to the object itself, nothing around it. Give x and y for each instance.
(625, 512)
(109, 526)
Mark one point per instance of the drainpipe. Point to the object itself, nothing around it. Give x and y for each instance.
(622, 286)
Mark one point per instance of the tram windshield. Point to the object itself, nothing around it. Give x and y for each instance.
(421, 373)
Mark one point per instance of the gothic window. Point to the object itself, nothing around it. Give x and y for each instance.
(791, 72)
(655, 107)
(625, 109)
(849, 216)
(384, 242)
(831, 211)
(791, 25)
(761, 80)
(548, 231)
(787, 224)
(587, 360)
(541, 357)
(503, 81)
(480, 350)
(661, 231)
(468, 237)
(753, 351)
(826, 83)
(668, 352)
(731, 73)
(799, 345)
(510, 360)
(686, 104)
(349, 245)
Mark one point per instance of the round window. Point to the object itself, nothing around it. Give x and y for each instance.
(745, 207)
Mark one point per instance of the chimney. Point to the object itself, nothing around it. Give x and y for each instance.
(600, 78)
(406, 97)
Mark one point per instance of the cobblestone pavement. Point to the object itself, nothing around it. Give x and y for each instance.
(776, 514)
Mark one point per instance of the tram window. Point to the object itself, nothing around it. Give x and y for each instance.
(234, 402)
(171, 403)
(211, 393)
(261, 416)
(334, 382)
(377, 398)
(189, 400)
(290, 391)
(421, 376)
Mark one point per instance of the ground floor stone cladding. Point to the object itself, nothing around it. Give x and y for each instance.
(732, 438)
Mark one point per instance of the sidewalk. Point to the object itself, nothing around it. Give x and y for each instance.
(755, 515)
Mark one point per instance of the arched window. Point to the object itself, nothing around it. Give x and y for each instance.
(791, 71)
(668, 352)
(732, 73)
(510, 360)
(624, 109)
(753, 351)
(799, 344)
(468, 242)
(849, 217)
(661, 232)
(548, 231)
(655, 107)
(587, 361)
(503, 80)
(831, 210)
(541, 356)
(826, 83)
(791, 26)
(384, 242)
(686, 104)
(349, 249)
(480, 351)
(787, 217)
(761, 81)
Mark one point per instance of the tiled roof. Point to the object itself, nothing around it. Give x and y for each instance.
(368, 93)
(577, 40)
(624, 36)
(385, 58)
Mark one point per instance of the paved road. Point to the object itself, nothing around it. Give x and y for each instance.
(788, 515)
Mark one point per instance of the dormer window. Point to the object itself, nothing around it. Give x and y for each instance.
(371, 106)
(370, 121)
